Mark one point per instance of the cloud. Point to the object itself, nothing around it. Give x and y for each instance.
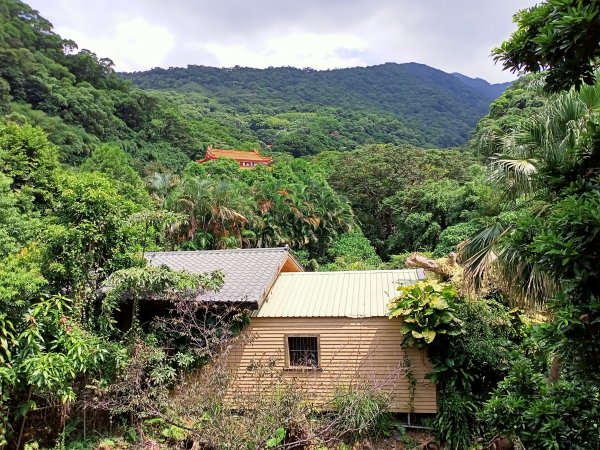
(141, 34)
(134, 43)
(297, 50)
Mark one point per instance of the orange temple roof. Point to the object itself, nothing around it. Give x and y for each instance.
(237, 155)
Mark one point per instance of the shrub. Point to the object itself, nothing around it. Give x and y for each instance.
(470, 344)
(455, 418)
(525, 407)
(477, 359)
(426, 311)
(352, 251)
(361, 412)
(452, 236)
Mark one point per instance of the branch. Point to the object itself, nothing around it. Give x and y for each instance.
(419, 261)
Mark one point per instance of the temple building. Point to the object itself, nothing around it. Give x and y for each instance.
(246, 159)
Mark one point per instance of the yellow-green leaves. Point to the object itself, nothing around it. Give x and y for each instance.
(427, 335)
(438, 303)
(426, 311)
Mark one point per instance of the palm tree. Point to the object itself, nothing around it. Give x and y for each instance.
(160, 184)
(522, 170)
(214, 207)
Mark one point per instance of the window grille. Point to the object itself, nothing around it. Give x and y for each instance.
(303, 351)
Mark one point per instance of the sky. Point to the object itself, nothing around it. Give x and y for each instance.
(451, 35)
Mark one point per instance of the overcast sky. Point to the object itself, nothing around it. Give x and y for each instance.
(451, 35)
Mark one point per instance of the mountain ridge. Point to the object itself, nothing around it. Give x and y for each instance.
(494, 90)
(441, 108)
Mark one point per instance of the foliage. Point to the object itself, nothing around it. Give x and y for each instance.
(542, 415)
(306, 111)
(453, 236)
(550, 248)
(558, 36)
(469, 366)
(29, 160)
(158, 351)
(404, 197)
(522, 100)
(288, 204)
(78, 99)
(114, 163)
(363, 412)
(423, 212)
(534, 168)
(567, 249)
(88, 237)
(547, 170)
(426, 310)
(352, 251)
(471, 351)
(16, 227)
(454, 422)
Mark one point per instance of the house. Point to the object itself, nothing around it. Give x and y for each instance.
(246, 159)
(319, 330)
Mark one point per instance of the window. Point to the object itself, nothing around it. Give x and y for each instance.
(302, 351)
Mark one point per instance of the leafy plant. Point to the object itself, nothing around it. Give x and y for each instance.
(174, 433)
(277, 438)
(542, 415)
(362, 412)
(454, 420)
(426, 310)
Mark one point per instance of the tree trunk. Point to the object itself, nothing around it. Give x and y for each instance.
(419, 261)
(555, 369)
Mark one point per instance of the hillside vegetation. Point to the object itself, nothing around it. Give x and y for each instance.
(426, 106)
(95, 171)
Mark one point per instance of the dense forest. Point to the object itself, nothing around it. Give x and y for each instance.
(98, 167)
(295, 110)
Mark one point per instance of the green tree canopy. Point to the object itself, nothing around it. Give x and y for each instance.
(560, 36)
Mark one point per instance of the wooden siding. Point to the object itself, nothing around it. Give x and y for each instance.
(353, 352)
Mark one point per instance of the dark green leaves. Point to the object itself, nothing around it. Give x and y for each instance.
(560, 36)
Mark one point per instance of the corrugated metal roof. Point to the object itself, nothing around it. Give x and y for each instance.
(249, 273)
(335, 294)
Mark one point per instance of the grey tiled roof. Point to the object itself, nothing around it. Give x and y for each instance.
(249, 273)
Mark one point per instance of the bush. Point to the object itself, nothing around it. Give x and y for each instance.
(352, 251)
(452, 236)
(361, 413)
(426, 311)
(477, 359)
(470, 344)
(455, 418)
(526, 408)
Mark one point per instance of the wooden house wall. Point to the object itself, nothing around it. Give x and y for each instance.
(363, 353)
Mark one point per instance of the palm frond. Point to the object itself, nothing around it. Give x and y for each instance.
(514, 175)
(479, 252)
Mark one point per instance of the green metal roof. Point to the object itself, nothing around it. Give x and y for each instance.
(355, 294)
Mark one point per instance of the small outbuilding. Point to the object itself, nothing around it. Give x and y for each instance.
(319, 330)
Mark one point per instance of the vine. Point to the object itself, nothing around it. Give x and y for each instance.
(412, 381)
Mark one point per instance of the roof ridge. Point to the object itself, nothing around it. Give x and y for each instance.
(225, 250)
(334, 272)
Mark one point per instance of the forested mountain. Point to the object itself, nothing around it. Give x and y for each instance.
(430, 107)
(489, 90)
